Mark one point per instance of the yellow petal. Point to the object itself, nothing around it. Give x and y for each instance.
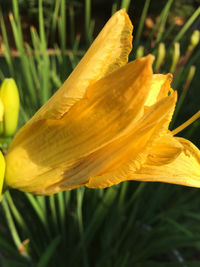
(160, 88)
(107, 161)
(181, 168)
(102, 167)
(111, 105)
(128, 170)
(108, 52)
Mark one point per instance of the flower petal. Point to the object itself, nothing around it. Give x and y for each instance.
(184, 169)
(108, 165)
(111, 105)
(102, 167)
(108, 52)
(141, 146)
(159, 89)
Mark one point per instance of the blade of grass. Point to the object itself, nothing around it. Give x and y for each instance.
(6, 47)
(23, 61)
(114, 8)
(72, 26)
(163, 21)
(141, 24)
(20, 220)
(80, 196)
(125, 4)
(39, 211)
(61, 211)
(54, 19)
(11, 224)
(53, 212)
(87, 20)
(45, 90)
(63, 26)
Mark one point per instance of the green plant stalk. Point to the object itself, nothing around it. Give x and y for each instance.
(11, 224)
(61, 211)
(72, 25)
(158, 22)
(24, 62)
(114, 8)
(53, 212)
(19, 219)
(36, 44)
(17, 18)
(80, 196)
(123, 191)
(91, 31)
(39, 211)
(6, 49)
(125, 4)
(42, 203)
(33, 68)
(63, 26)
(184, 92)
(141, 24)
(163, 21)
(45, 90)
(76, 44)
(54, 19)
(87, 20)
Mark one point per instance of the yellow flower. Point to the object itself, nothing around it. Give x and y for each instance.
(108, 123)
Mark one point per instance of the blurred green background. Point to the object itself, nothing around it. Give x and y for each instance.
(131, 224)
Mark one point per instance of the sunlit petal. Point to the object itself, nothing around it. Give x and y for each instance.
(184, 169)
(111, 105)
(108, 52)
(160, 88)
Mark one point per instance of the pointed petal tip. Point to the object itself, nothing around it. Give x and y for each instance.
(150, 58)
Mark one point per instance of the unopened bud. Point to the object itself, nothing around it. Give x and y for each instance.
(194, 40)
(175, 56)
(160, 56)
(190, 75)
(140, 52)
(10, 98)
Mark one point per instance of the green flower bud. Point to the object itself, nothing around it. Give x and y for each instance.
(194, 40)
(175, 57)
(10, 98)
(160, 56)
(140, 52)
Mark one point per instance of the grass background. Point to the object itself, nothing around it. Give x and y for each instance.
(131, 224)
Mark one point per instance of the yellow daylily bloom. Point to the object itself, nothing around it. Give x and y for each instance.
(107, 123)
